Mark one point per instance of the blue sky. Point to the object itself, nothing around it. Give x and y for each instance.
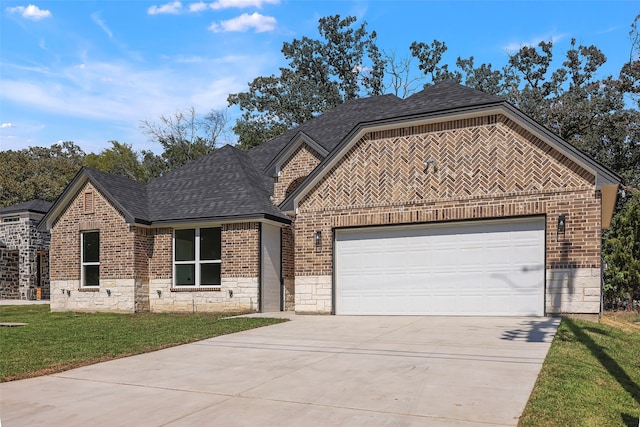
(90, 71)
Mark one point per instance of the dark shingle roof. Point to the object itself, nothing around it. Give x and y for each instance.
(219, 185)
(229, 183)
(445, 95)
(36, 205)
(329, 128)
(129, 196)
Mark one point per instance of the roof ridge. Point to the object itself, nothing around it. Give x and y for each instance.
(242, 156)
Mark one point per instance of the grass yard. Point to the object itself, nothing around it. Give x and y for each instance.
(54, 342)
(591, 376)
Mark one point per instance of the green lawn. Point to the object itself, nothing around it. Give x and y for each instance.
(591, 377)
(54, 342)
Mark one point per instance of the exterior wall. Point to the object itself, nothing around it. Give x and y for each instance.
(121, 269)
(22, 235)
(117, 295)
(239, 274)
(288, 267)
(313, 294)
(141, 251)
(486, 167)
(299, 165)
(244, 290)
(9, 274)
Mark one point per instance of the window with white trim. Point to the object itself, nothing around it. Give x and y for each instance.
(197, 257)
(90, 258)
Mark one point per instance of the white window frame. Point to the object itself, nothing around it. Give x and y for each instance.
(196, 262)
(83, 263)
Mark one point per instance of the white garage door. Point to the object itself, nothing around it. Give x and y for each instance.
(471, 268)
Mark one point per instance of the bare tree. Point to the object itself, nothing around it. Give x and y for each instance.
(185, 136)
(403, 82)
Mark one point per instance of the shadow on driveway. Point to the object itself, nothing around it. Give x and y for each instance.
(534, 331)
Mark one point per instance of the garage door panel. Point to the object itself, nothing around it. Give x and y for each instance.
(484, 267)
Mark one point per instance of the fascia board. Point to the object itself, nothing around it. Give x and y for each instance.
(295, 142)
(198, 222)
(71, 191)
(603, 175)
(63, 201)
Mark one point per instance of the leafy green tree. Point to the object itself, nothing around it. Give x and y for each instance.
(570, 99)
(622, 256)
(38, 172)
(120, 159)
(345, 63)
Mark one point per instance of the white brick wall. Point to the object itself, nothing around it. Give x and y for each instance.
(313, 294)
(574, 290)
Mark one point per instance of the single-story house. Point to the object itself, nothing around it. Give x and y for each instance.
(24, 251)
(449, 202)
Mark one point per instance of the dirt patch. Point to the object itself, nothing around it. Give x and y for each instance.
(626, 320)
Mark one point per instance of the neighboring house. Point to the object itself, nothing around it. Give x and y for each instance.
(24, 252)
(450, 202)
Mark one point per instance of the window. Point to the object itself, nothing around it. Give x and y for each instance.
(197, 257)
(11, 219)
(90, 257)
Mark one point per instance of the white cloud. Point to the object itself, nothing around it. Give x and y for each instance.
(198, 7)
(245, 22)
(241, 4)
(125, 92)
(172, 8)
(96, 18)
(515, 46)
(30, 12)
(6, 125)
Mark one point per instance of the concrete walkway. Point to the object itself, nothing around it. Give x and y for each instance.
(311, 371)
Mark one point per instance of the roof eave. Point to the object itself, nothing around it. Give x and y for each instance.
(227, 219)
(603, 175)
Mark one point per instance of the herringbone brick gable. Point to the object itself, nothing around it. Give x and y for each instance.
(296, 167)
(487, 156)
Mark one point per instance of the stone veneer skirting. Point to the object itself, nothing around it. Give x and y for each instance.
(313, 294)
(242, 298)
(574, 290)
(113, 295)
(134, 295)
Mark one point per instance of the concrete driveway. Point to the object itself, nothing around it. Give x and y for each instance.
(311, 371)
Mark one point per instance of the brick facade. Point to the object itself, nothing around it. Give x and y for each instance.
(484, 168)
(239, 274)
(136, 265)
(470, 169)
(294, 169)
(288, 267)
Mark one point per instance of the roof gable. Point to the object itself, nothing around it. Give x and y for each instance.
(478, 157)
(452, 102)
